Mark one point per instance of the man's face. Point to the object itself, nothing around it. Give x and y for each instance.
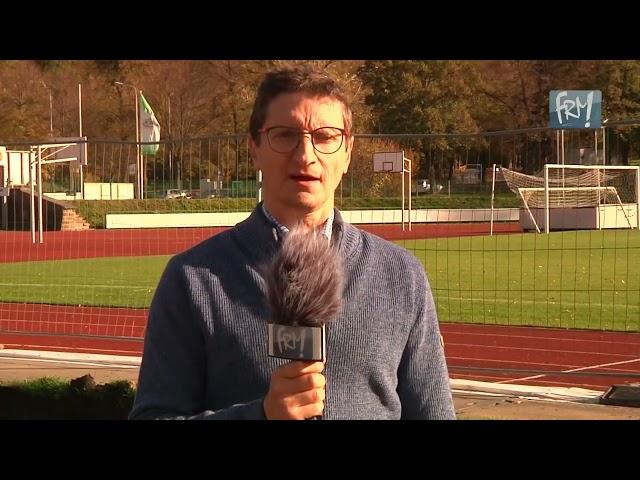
(302, 181)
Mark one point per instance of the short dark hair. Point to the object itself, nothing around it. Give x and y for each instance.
(300, 78)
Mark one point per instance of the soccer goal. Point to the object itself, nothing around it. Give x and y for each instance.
(569, 197)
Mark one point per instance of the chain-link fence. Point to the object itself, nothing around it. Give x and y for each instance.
(99, 282)
(442, 163)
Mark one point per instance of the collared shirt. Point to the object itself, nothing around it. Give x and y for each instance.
(326, 228)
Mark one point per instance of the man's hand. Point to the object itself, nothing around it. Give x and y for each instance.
(296, 391)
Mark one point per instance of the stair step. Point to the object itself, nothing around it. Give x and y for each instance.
(71, 221)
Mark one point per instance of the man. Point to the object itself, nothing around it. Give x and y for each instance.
(205, 353)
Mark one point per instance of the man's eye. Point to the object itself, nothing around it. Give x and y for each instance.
(324, 137)
(286, 134)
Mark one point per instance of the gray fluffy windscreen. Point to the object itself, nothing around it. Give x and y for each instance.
(304, 280)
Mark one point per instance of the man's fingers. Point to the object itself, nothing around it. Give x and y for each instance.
(297, 368)
(291, 386)
(307, 404)
(308, 411)
(315, 395)
(297, 391)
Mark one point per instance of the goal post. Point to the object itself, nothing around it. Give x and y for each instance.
(578, 196)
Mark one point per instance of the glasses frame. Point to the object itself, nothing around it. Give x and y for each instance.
(301, 133)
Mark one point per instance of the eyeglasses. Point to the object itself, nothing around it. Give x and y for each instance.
(286, 139)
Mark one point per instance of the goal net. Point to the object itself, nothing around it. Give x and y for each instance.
(576, 186)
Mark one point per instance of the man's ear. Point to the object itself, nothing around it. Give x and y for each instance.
(349, 150)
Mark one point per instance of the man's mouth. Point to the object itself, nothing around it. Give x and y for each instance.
(303, 178)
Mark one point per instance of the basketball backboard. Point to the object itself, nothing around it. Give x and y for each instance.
(388, 162)
(65, 149)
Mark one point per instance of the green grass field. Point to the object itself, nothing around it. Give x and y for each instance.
(586, 279)
(108, 281)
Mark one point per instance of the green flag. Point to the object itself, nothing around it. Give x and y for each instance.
(149, 128)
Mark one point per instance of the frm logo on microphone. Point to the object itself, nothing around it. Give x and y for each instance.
(297, 343)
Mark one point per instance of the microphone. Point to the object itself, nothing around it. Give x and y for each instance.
(304, 291)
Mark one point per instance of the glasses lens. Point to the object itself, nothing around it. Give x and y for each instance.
(283, 139)
(286, 139)
(327, 139)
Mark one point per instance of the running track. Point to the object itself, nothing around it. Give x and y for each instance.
(524, 355)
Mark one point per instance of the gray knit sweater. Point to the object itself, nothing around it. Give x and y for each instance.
(205, 350)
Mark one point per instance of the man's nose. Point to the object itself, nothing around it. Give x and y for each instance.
(305, 152)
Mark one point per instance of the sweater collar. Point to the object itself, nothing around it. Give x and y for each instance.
(259, 237)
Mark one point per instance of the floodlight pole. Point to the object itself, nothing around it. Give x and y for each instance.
(170, 141)
(35, 176)
(50, 107)
(139, 162)
(405, 170)
(84, 145)
(493, 189)
(33, 197)
(40, 204)
(604, 142)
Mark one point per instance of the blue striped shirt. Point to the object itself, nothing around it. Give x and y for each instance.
(326, 228)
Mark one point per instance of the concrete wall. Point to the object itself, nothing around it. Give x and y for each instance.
(616, 216)
(162, 220)
(108, 191)
(98, 191)
(227, 219)
(584, 218)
